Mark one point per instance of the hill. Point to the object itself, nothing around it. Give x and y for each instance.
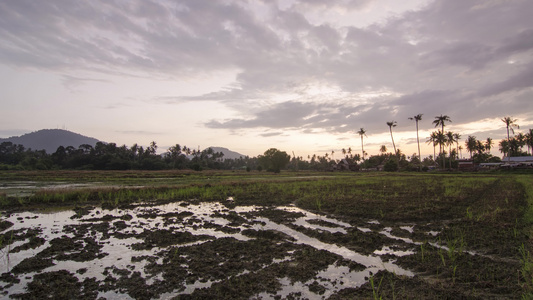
(50, 139)
(228, 154)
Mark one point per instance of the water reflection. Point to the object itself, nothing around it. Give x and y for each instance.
(124, 229)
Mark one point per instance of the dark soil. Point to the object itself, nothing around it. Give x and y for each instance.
(463, 245)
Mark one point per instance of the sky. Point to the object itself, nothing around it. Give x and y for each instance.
(302, 76)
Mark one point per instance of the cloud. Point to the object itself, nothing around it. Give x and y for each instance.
(446, 57)
(519, 81)
(72, 82)
(271, 134)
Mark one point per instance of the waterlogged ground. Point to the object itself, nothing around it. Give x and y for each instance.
(183, 249)
(413, 237)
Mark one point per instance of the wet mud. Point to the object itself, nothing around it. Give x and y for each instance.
(219, 250)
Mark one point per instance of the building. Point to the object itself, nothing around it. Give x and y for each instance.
(517, 162)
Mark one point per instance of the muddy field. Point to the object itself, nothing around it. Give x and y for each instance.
(390, 241)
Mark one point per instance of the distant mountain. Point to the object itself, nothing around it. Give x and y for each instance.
(50, 140)
(228, 154)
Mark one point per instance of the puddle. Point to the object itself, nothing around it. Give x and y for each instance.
(123, 250)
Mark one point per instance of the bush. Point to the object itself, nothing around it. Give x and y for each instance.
(391, 165)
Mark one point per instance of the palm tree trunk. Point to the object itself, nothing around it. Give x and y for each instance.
(362, 148)
(443, 154)
(508, 146)
(393, 145)
(450, 149)
(418, 142)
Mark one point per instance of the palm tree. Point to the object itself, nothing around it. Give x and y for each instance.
(442, 141)
(488, 144)
(417, 118)
(529, 140)
(471, 144)
(432, 139)
(362, 132)
(521, 139)
(439, 121)
(392, 124)
(504, 147)
(383, 149)
(457, 137)
(509, 123)
(450, 140)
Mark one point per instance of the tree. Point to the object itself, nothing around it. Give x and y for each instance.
(383, 149)
(362, 132)
(441, 120)
(432, 139)
(529, 140)
(442, 141)
(417, 118)
(392, 124)
(504, 147)
(450, 140)
(391, 165)
(471, 144)
(457, 137)
(488, 144)
(274, 160)
(509, 124)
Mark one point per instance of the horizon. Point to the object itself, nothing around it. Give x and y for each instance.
(293, 75)
(161, 151)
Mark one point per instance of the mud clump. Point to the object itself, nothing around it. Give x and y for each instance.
(59, 285)
(5, 225)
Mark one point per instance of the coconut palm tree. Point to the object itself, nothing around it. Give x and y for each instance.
(392, 124)
(432, 139)
(529, 140)
(457, 137)
(362, 132)
(417, 118)
(521, 139)
(440, 121)
(471, 144)
(509, 123)
(450, 140)
(442, 141)
(504, 147)
(383, 149)
(488, 144)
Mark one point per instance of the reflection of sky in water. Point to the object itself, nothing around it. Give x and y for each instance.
(119, 252)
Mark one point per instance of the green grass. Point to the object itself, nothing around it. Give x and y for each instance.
(526, 261)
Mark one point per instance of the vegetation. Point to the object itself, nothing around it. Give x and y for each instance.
(274, 160)
(362, 133)
(417, 118)
(109, 156)
(483, 221)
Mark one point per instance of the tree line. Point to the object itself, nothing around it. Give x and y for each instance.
(450, 151)
(109, 156)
